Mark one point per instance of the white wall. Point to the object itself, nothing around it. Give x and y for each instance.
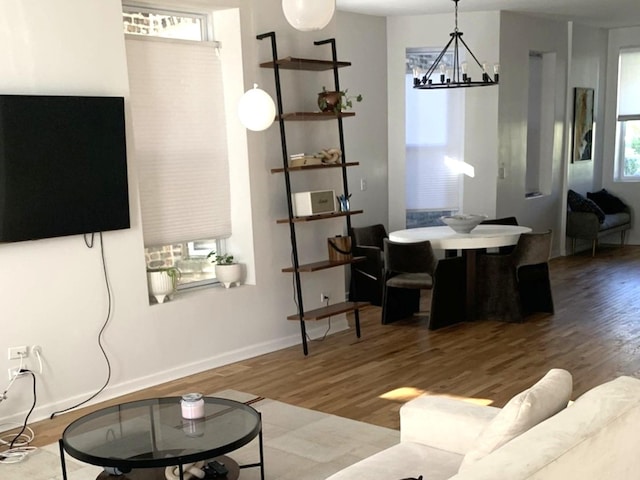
(588, 64)
(482, 33)
(628, 191)
(52, 291)
(520, 34)
(361, 40)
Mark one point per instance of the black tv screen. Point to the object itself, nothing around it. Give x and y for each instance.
(63, 166)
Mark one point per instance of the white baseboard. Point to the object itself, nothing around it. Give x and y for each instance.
(42, 412)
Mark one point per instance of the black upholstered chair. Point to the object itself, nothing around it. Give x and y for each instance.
(514, 285)
(408, 269)
(367, 276)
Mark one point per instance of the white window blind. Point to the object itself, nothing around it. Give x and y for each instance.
(433, 134)
(629, 85)
(180, 139)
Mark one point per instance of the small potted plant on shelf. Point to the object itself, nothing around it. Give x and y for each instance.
(228, 271)
(163, 282)
(336, 101)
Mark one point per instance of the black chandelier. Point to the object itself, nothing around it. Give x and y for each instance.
(456, 75)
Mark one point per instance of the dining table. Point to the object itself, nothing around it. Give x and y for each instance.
(480, 238)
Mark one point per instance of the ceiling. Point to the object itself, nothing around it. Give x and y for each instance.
(600, 13)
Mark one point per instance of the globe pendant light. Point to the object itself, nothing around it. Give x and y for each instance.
(308, 15)
(256, 109)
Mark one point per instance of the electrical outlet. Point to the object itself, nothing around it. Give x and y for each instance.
(16, 353)
(324, 297)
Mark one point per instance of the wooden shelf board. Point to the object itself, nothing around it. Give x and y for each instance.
(323, 265)
(311, 218)
(326, 312)
(319, 166)
(309, 64)
(312, 116)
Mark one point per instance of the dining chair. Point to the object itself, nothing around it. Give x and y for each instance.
(502, 221)
(408, 269)
(367, 276)
(514, 285)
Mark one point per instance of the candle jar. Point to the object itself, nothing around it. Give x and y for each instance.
(192, 405)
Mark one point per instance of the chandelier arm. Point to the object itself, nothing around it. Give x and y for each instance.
(437, 60)
(474, 57)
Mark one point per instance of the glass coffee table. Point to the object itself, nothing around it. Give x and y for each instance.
(144, 437)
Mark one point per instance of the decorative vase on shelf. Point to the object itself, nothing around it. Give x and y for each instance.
(229, 274)
(162, 282)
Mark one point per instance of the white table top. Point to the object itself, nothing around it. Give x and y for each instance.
(444, 238)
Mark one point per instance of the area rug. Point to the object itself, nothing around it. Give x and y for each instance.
(299, 444)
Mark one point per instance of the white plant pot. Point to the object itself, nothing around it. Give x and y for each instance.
(229, 274)
(160, 285)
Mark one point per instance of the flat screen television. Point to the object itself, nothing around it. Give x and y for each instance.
(63, 166)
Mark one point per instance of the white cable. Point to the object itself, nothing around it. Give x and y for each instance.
(4, 394)
(16, 454)
(37, 352)
(28, 435)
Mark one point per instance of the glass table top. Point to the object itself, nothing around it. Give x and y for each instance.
(152, 433)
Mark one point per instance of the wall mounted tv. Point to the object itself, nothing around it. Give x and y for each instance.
(63, 166)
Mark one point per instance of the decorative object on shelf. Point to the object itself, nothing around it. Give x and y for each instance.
(256, 109)
(300, 159)
(228, 271)
(462, 223)
(343, 202)
(313, 203)
(331, 155)
(339, 248)
(162, 282)
(582, 124)
(336, 101)
(455, 75)
(308, 15)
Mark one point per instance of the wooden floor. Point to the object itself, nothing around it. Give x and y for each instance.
(595, 334)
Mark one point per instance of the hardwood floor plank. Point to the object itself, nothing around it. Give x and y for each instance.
(595, 334)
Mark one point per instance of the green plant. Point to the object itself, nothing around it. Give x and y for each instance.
(336, 101)
(220, 259)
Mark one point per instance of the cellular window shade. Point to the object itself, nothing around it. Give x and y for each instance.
(629, 85)
(180, 140)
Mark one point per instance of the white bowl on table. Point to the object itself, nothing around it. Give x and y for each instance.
(463, 223)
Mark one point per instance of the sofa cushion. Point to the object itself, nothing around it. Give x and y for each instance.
(539, 402)
(404, 460)
(607, 202)
(579, 203)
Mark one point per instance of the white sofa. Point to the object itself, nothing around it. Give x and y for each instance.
(596, 437)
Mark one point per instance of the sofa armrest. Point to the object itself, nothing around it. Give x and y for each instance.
(444, 423)
(582, 225)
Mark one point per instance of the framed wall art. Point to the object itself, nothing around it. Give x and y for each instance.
(582, 124)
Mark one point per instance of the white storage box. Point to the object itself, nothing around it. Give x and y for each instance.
(313, 203)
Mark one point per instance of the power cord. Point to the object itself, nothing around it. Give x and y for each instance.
(18, 446)
(295, 301)
(89, 244)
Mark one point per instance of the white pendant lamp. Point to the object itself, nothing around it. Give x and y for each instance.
(308, 15)
(256, 109)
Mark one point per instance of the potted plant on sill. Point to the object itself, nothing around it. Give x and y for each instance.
(336, 101)
(163, 282)
(228, 271)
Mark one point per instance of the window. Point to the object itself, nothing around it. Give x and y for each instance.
(179, 130)
(160, 23)
(628, 127)
(433, 146)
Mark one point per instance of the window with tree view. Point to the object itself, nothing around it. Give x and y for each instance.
(628, 129)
